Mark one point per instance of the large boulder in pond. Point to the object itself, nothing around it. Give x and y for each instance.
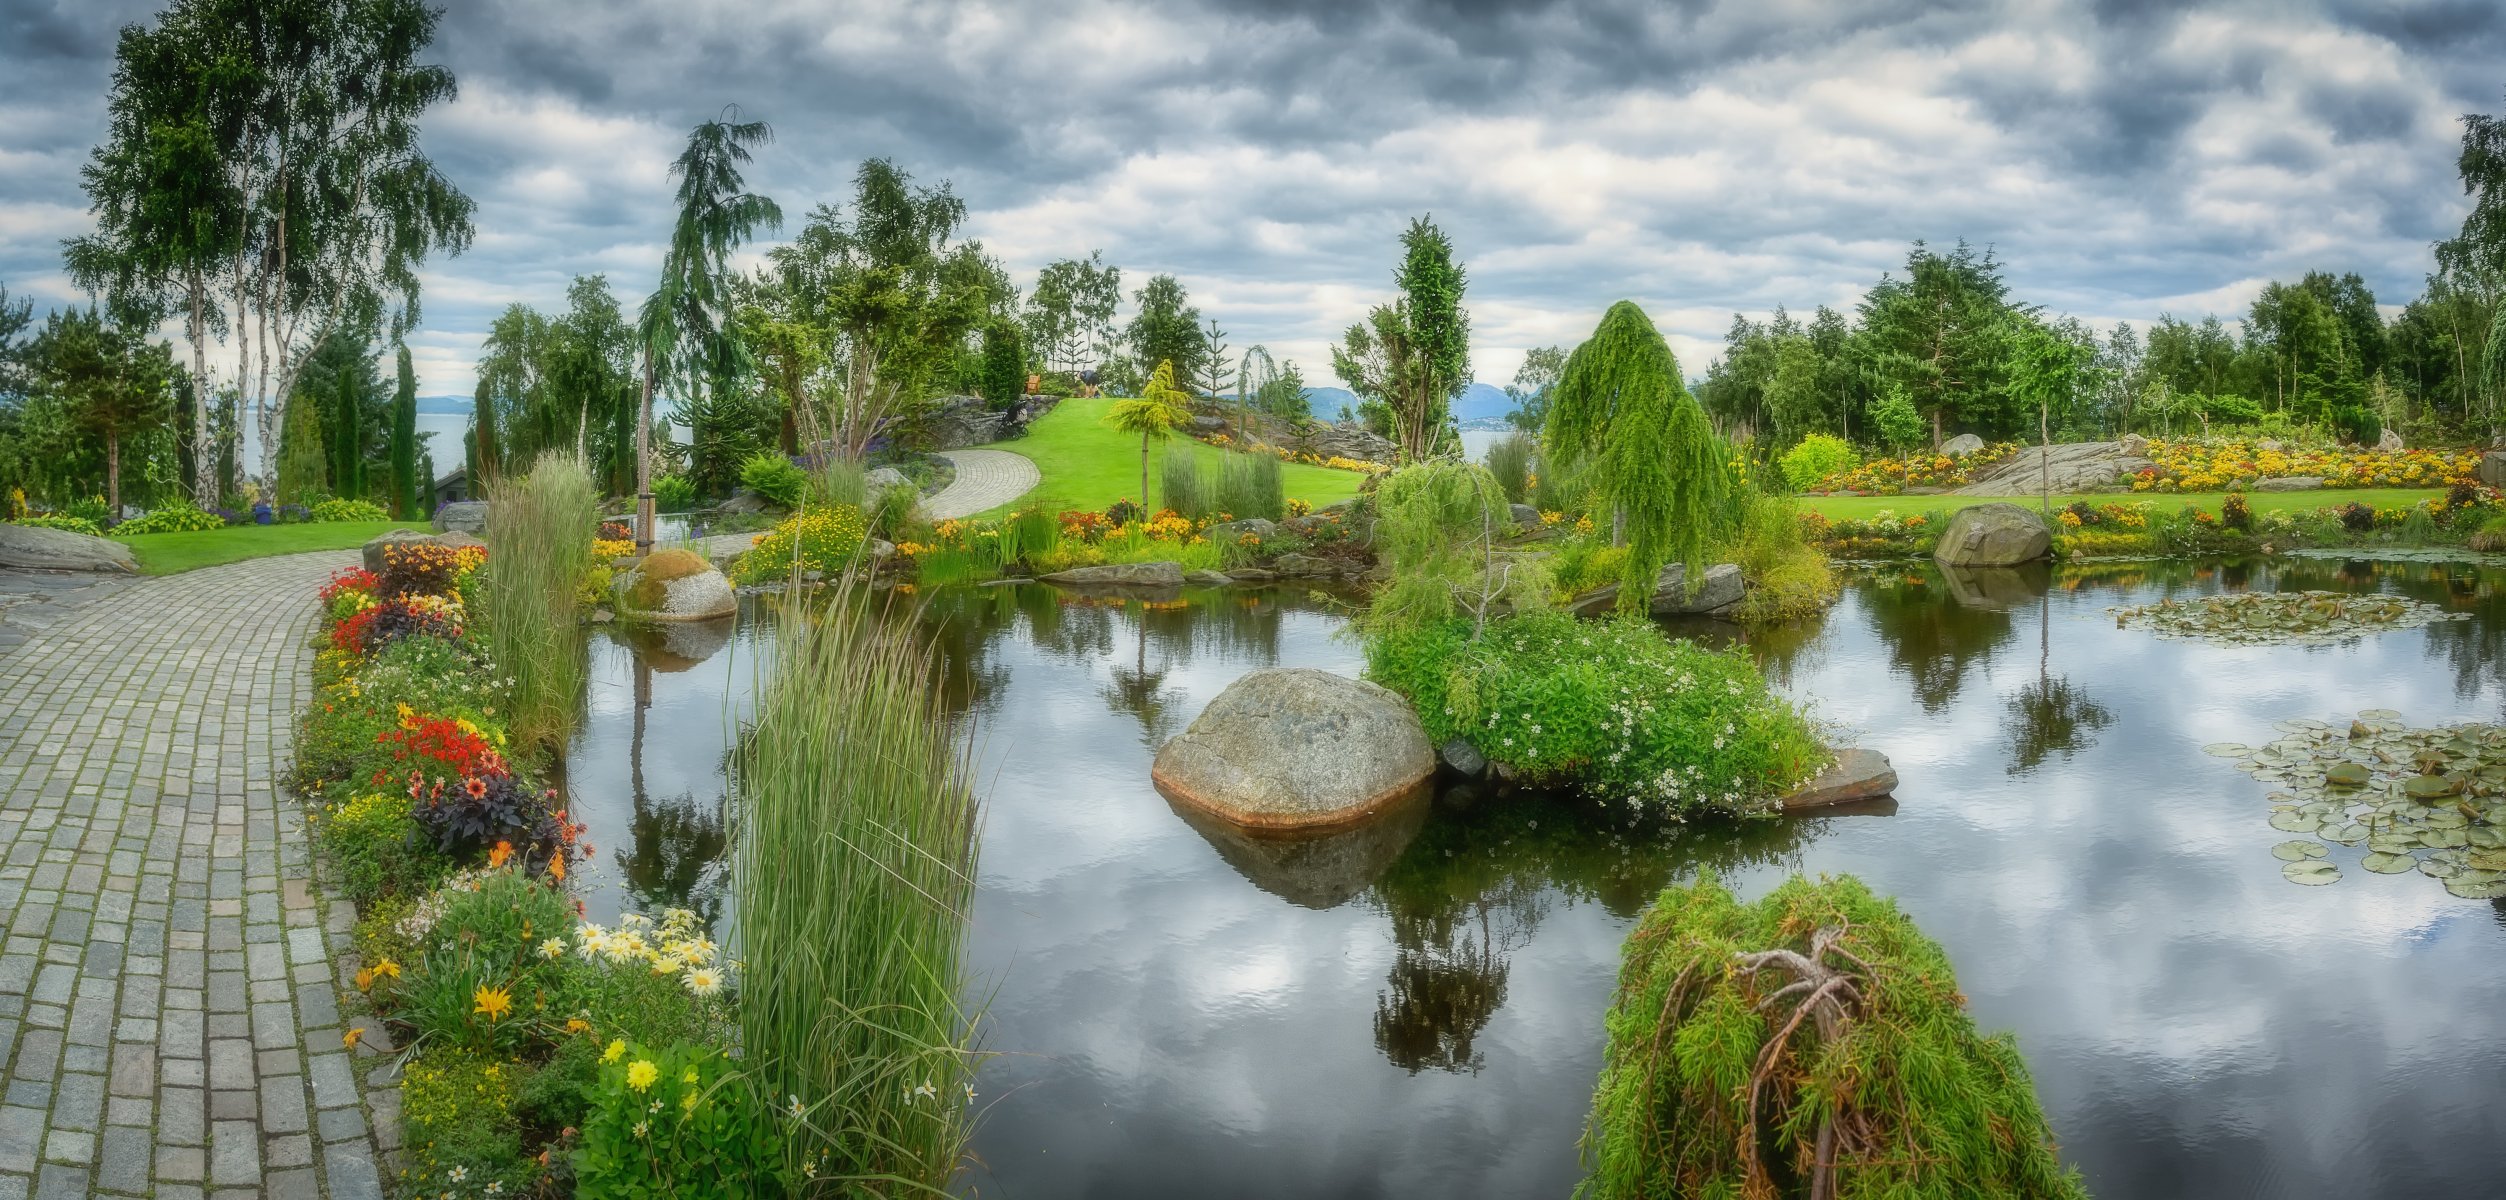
(464, 516)
(1721, 591)
(37, 548)
(1856, 776)
(1993, 535)
(1295, 748)
(675, 585)
(1142, 574)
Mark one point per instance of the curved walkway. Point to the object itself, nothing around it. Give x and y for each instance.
(986, 479)
(170, 986)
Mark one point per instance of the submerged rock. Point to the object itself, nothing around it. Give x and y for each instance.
(1296, 748)
(1461, 758)
(1147, 574)
(37, 548)
(1722, 590)
(1857, 775)
(1993, 535)
(675, 585)
(1323, 869)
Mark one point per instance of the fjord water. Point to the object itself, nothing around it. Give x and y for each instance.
(1415, 1010)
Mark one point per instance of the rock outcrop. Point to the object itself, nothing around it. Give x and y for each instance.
(1993, 535)
(1293, 748)
(2069, 467)
(36, 548)
(1722, 589)
(2288, 483)
(957, 422)
(675, 585)
(1146, 574)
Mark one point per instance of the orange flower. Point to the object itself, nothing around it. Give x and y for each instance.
(349, 1039)
(557, 866)
(496, 857)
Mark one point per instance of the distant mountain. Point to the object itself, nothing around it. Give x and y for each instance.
(1478, 402)
(1325, 402)
(455, 405)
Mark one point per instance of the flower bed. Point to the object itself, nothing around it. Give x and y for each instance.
(2197, 465)
(537, 1041)
(1880, 536)
(1891, 476)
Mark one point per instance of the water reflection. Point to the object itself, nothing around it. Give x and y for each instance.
(1185, 1011)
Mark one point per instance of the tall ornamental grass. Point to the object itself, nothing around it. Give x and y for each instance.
(1179, 483)
(539, 545)
(1509, 459)
(855, 867)
(1249, 486)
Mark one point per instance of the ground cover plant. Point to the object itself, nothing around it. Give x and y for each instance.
(1813, 1043)
(2431, 800)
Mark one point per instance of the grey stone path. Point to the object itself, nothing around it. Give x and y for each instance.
(169, 986)
(986, 479)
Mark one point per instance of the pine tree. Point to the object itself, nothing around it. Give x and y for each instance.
(405, 501)
(1657, 463)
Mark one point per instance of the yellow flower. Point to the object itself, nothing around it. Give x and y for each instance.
(349, 1039)
(552, 948)
(616, 1051)
(641, 1074)
(387, 969)
(578, 1025)
(493, 1003)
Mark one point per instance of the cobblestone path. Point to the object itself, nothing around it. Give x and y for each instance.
(986, 479)
(170, 984)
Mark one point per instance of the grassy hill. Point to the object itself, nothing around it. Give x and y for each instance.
(1088, 465)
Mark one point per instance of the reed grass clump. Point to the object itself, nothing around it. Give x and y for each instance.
(1813, 1044)
(1509, 459)
(854, 869)
(539, 541)
(1179, 483)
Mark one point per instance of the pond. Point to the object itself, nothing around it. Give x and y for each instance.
(1415, 1010)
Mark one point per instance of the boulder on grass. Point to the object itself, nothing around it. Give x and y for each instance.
(37, 548)
(1291, 748)
(1722, 589)
(463, 516)
(1144, 574)
(375, 546)
(2493, 468)
(675, 585)
(1962, 445)
(1858, 775)
(2391, 442)
(1993, 535)
(2289, 483)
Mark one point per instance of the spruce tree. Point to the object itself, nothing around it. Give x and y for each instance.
(1657, 464)
(405, 501)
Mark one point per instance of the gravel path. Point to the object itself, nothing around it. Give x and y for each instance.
(169, 988)
(986, 479)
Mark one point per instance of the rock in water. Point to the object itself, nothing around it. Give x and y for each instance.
(1296, 748)
(1316, 869)
(37, 548)
(1722, 589)
(1147, 574)
(675, 585)
(1463, 759)
(1993, 535)
(1858, 775)
(465, 516)
(1962, 445)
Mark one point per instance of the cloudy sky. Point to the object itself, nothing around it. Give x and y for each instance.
(2126, 158)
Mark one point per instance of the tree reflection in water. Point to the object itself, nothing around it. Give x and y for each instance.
(675, 856)
(2051, 716)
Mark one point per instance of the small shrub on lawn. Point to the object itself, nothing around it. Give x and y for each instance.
(348, 510)
(677, 1121)
(171, 518)
(1815, 458)
(1613, 708)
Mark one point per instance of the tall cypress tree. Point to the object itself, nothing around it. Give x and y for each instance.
(484, 462)
(347, 440)
(1620, 406)
(405, 501)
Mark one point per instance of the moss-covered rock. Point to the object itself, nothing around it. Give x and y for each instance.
(1754, 1048)
(675, 585)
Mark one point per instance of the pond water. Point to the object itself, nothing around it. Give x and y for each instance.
(1416, 1010)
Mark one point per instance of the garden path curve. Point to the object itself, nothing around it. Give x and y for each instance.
(986, 479)
(171, 983)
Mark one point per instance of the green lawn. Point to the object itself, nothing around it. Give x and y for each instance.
(1841, 508)
(1087, 465)
(170, 553)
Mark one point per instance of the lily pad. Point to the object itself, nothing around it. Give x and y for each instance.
(2347, 774)
(2297, 851)
(2490, 890)
(2348, 834)
(2293, 821)
(2429, 787)
(2226, 750)
(2312, 873)
(2389, 864)
(2379, 714)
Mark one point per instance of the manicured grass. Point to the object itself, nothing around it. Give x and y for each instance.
(1087, 465)
(172, 553)
(1842, 508)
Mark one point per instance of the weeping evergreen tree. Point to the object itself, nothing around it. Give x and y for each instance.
(405, 502)
(1620, 407)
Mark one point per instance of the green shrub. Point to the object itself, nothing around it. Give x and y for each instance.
(2490, 537)
(673, 493)
(90, 510)
(1434, 525)
(1562, 485)
(1613, 708)
(892, 510)
(2418, 527)
(459, 1136)
(1509, 461)
(182, 517)
(2236, 514)
(485, 946)
(839, 480)
(677, 1122)
(1180, 486)
(374, 843)
(825, 540)
(65, 524)
(1693, 1101)
(1249, 486)
(1815, 458)
(349, 510)
(776, 478)
(558, 1095)
(1788, 577)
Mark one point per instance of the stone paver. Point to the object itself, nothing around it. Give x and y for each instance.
(169, 988)
(986, 479)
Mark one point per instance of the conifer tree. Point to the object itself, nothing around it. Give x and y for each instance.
(347, 437)
(405, 501)
(303, 459)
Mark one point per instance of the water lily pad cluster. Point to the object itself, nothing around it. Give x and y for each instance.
(2281, 618)
(2430, 800)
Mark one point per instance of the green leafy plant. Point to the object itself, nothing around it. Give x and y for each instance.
(778, 479)
(1811, 1044)
(487, 968)
(1788, 577)
(677, 1121)
(1815, 458)
(1509, 462)
(1249, 485)
(824, 540)
(65, 524)
(1613, 708)
(374, 843)
(539, 537)
(459, 1130)
(673, 493)
(348, 510)
(171, 518)
(1180, 486)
